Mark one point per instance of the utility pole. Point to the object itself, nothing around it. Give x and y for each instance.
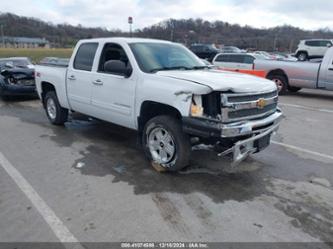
(2, 36)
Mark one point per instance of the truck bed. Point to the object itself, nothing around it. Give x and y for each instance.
(300, 74)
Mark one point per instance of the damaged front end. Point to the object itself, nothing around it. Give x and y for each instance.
(240, 123)
(17, 81)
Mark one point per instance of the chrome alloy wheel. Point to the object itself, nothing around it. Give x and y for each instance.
(279, 84)
(161, 145)
(51, 108)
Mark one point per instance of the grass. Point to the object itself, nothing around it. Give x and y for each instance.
(35, 54)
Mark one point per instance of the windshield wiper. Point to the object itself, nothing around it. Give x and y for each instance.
(198, 67)
(154, 70)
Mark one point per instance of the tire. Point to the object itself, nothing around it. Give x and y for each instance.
(165, 144)
(281, 83)
(294, 89)
(302, 56)
(55, 113)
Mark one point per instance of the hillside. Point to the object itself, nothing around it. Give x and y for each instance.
(60, 35)
(186, 31)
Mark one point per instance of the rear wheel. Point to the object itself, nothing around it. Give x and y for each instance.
(302, 56)
(55, 113)
(281, 83)
(165, 143)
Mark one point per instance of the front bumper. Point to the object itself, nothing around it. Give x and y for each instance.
(17, 90)
(247, 134)
(244, 148)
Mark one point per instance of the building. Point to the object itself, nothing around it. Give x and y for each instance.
(23, 42)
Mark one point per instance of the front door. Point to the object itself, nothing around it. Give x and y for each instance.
(113, 95)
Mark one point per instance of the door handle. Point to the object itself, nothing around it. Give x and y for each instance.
(72, 77)
(97, 82)
(331, 69)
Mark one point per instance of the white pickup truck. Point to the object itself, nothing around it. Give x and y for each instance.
(166, 93)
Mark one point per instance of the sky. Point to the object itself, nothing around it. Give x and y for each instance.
(113, 14)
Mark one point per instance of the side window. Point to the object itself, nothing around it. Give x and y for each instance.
(312, 43)
(223, 58)
(85, 55)
(248, 59)
(236, 58)
(324, 43)
(112, 51)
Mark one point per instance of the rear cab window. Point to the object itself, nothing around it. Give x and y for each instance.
(85, 56)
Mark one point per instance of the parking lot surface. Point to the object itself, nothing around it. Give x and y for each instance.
(89, 181)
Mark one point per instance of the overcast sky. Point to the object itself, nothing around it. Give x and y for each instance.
(112, 14)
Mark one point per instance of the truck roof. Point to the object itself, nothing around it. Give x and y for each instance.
(125, 40)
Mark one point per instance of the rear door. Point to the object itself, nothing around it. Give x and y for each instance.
(222, 60)
(237, 61)
(248, 61)
(113, 95)
(79, 77)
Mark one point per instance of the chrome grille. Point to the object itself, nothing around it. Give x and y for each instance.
(237, 107)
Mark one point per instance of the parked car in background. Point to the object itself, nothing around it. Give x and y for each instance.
(236, 60)
(204, 51)
(16, 62)
(54, 61)
(114, 79)
(313, 48)
(284, 56)
(16, 77)
(231, 49)
(267, 55)
(292, 76)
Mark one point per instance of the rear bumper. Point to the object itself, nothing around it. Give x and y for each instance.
(17, 90)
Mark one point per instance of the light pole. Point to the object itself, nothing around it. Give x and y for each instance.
(130, 22)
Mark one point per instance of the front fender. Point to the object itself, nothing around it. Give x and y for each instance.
(173, 92)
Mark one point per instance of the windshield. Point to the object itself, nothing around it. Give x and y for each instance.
(153, 57)
(15, 63)
(260, 57)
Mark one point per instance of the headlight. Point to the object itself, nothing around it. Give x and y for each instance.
(196, 107)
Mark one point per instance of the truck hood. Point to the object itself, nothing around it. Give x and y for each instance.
(219, 80)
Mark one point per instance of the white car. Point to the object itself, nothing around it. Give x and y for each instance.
(237, 60)
(314, 48)
(166, 93)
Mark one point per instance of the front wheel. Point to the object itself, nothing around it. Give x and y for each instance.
(55, 113)
(165, 143)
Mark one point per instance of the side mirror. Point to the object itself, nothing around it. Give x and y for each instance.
(117, 67)
(328, 45)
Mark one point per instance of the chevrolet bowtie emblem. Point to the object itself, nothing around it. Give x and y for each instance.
(261, 103)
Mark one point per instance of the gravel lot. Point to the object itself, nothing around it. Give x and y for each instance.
(96, 182)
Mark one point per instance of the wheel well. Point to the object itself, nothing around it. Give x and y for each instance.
(150, 109)
(302, 51)
(279, 72)
(46, 87)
